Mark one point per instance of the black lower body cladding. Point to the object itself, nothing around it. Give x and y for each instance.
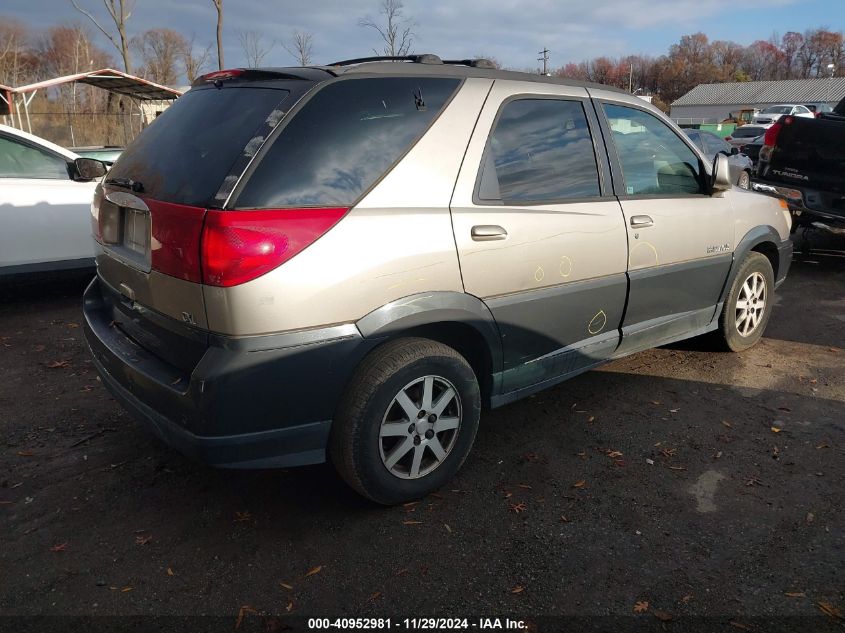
(256, 402)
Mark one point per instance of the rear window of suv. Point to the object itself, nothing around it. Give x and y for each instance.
(343, 140)
(185, 154)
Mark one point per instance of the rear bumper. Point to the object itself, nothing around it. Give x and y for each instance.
(814, 204)
(257, 402)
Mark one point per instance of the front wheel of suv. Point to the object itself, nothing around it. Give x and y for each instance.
(748, 305)
(407, 420)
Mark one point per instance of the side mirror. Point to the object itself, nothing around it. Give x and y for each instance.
(88, 169)
(721, 178)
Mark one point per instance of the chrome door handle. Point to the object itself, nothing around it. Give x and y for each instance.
(488, 232)
(641, 221)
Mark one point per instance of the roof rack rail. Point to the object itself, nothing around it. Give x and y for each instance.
(479, 62)
(417, 59)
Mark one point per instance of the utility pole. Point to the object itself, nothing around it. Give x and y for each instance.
(544, 57)
(631, 79)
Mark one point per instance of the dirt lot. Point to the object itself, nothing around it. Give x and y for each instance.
(703, 484)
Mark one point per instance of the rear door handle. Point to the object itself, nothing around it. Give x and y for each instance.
(488, 232)
(641, 221)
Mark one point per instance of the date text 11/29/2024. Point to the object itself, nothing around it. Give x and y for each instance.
(422, 624)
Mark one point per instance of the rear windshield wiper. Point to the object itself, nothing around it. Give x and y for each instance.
(128, 183)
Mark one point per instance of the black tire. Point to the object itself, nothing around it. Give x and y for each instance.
(728, 334)
(355, 445)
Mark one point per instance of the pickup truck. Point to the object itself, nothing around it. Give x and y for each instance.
(803, 161)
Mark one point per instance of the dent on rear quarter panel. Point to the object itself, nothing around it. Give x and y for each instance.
(396, 242)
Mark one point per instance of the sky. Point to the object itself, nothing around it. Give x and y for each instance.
(512, 31)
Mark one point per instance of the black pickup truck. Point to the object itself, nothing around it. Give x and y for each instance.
(803, 161)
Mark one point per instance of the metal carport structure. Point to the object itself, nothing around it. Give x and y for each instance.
(137, 89)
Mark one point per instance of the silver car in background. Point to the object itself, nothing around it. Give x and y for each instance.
(740, 166)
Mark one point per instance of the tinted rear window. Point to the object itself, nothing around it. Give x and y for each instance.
(343, 141)
(185, 154)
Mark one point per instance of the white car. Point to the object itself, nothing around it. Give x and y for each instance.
(772, 113)
(45, 206)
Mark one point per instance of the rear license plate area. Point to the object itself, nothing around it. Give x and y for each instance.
(131, 243)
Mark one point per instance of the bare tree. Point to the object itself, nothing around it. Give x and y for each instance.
(120, 11)
(16, 61)
(300, 47)
(194, 59)
(161, 51)
(218, 4)
(396, 30)
(254, 48)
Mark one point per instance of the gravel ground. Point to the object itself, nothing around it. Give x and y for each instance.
(677, 483)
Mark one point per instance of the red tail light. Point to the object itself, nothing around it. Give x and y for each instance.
(238, 246)
(771, 135)
(728, 138)
(175, 244)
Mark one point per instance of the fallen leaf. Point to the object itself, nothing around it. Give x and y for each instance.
(810, 517)
(314, 570)
(519, 507)
(61, 547)
(525, 486)
(677, 467)
(289, 608)
(727, 424)
(613, 454)
(508, 495)
(143, 540)
(795, 594)
(242, 612)
(592, 418)
(674, 410)
(26, 453)
(240, 517)
(73, 325)
(518, 589)
(286, 586)
(823, 446)
(738, 625)
(648, 461)
(170, 572)
(655, 402)
(448, 529)
(38, 348)
(125, 589)
(640, 606)
(58, 364)
(686, 598)
(411, 522)
(374, 596)
(563, 519)
(580, 484)
(410, 504)
(829, 609)
(663, 616)
(775, 429)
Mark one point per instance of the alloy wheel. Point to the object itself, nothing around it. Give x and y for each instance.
(420, 427)
(751, 304)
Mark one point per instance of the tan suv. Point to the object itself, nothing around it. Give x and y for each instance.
(351, 261)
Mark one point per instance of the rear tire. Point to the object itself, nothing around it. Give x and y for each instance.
(748, 305)
(406, 422)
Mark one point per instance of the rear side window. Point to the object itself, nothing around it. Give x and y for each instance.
(18, 160)
(343, 140)
(746, 131)
(540, 152)
(655, 161)
(185, 154)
